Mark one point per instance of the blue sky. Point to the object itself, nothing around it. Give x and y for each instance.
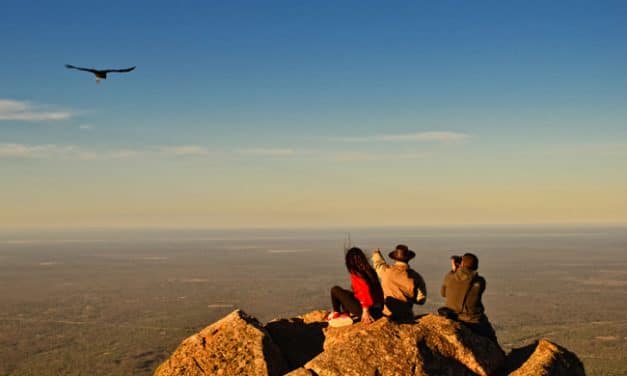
(514, 111)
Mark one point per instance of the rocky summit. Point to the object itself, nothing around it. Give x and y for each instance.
(305, 346)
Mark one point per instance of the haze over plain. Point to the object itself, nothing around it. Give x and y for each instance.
(289, 114)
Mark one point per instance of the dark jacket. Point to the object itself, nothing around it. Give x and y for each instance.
(465, 283)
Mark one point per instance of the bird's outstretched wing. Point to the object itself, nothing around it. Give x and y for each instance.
(118, 70)
(81, 69)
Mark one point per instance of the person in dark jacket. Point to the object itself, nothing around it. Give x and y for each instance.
(456, 262)
(463, 290)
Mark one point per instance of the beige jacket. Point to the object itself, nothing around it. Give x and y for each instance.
(402, 287)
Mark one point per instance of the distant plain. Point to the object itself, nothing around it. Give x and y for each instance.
(110, 302)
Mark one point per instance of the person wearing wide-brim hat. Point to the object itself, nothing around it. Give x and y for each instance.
(402, 253)
(402, 286)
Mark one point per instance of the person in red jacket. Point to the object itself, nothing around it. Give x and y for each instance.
(365, 301)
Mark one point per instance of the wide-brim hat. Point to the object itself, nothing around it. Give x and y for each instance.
(402, 253)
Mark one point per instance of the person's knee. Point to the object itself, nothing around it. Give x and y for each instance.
(335, 290)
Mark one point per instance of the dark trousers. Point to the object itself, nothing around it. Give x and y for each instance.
(345, 301)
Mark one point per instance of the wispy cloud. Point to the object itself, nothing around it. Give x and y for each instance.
(74, 152)
(268, 152)
(52, 151)
(26, 111)
(184, 150)
(444, 137)
(36, 151)
(121, 154)
(364, 156)
(86, 127)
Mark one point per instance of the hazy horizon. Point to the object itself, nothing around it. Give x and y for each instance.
(8, 234)
(119, 302)
(347, 227)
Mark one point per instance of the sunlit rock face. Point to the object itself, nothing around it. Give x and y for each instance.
(430, 346)
(543, 358)
(235, 345)
(304, 345)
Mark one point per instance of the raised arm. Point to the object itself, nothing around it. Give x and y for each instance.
(378, 262)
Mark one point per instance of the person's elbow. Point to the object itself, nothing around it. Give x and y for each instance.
(421, 298)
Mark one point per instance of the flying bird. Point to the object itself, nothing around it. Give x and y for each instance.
(101, 74)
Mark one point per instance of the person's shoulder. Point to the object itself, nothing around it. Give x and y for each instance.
(477, 281)
(413, 273)
(355, 276)
(449, 275)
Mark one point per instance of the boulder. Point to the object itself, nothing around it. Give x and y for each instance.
(431, 346)
(449, 340)
(235, 345)
(543, 358)
(306, 346)
(381, 348)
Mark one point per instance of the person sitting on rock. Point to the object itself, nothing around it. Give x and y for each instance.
(456, 261)
(463, 290)
(365, 301)
(402, 286)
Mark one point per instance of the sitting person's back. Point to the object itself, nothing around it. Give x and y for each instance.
(365, 301)
(463, 290)
(402, 286)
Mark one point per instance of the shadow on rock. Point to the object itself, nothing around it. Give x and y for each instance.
(434, 363)
(517, 357)
(299, 339)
